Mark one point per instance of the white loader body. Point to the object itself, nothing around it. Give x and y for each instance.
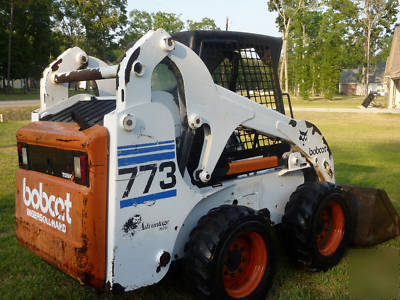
(152, 201)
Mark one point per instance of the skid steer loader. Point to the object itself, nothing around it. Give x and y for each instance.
(184, 153)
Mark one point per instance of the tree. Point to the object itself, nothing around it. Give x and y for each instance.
(31, 36)
(68, 26)
(287, 11)
(168, 21)
(100, 22)
(204, 24)
(141, 22)
(336, 39)
(377, 16)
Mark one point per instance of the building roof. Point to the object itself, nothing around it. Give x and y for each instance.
(353, 76)
(393, 61)
(349, 76)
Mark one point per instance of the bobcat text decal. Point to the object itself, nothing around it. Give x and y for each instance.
(317, 150)
(57, 207)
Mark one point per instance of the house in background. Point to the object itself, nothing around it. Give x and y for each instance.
(392, 73)
(350, 81)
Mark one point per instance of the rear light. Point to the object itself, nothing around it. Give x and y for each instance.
(22, 155)
(81, 171)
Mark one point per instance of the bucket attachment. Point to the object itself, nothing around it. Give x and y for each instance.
(375, 218)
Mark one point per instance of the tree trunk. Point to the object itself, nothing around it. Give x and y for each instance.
(368, 56)
(303, 26)
(282, 63)
(9, 45)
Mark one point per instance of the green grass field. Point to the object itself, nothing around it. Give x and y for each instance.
(366, 150)
(18, 94)
(339, 101)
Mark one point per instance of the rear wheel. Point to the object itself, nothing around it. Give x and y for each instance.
(317, 225)
(229, 254)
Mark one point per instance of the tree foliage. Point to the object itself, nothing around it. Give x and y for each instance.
(92, 24)
(141, 22)
(204, 24)
(31, 42)
(44, 28)
(328, 36)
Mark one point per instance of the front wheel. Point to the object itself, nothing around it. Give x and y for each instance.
(317, 225)
(230, 255)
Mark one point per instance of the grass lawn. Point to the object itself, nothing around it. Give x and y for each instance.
(18, 94)
(17, 113)
(365, 147)
(339, 101)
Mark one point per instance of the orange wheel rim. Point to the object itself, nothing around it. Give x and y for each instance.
(331, 229)
(244, 264)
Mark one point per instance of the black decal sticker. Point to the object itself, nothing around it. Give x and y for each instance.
(131, 225)
(170, 174)
(132, 171)
(117, 78)
(153, 169)
(303, 136)
(314, 128)
(317, 150)
(131, 60)
(135, 224)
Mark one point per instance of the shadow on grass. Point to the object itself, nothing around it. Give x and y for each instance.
(349, 173)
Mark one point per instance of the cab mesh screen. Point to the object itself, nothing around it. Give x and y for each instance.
(244, 72)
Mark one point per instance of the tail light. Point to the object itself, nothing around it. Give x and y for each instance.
(22, 155)
(81, 174)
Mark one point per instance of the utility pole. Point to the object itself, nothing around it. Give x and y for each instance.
(9, 45)
(227, 22)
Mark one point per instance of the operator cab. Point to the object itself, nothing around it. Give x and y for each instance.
(246, 64)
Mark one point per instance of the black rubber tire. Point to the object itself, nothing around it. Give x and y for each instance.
(301, 224)
(208, 245)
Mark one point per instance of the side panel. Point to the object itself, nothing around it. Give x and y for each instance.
(57, 219)
(148, 198)
(263, 190)
(152, 209)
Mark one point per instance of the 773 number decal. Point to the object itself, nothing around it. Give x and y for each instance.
(167, 167)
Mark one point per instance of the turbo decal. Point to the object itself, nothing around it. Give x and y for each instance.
(57, 207)
(135, 224)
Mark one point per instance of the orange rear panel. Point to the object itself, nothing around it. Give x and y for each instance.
(61, 221)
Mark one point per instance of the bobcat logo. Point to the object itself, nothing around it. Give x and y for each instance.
(303, 136)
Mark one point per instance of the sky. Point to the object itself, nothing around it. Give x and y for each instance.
(244, 15)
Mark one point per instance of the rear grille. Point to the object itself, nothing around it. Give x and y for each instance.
(91, 111)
